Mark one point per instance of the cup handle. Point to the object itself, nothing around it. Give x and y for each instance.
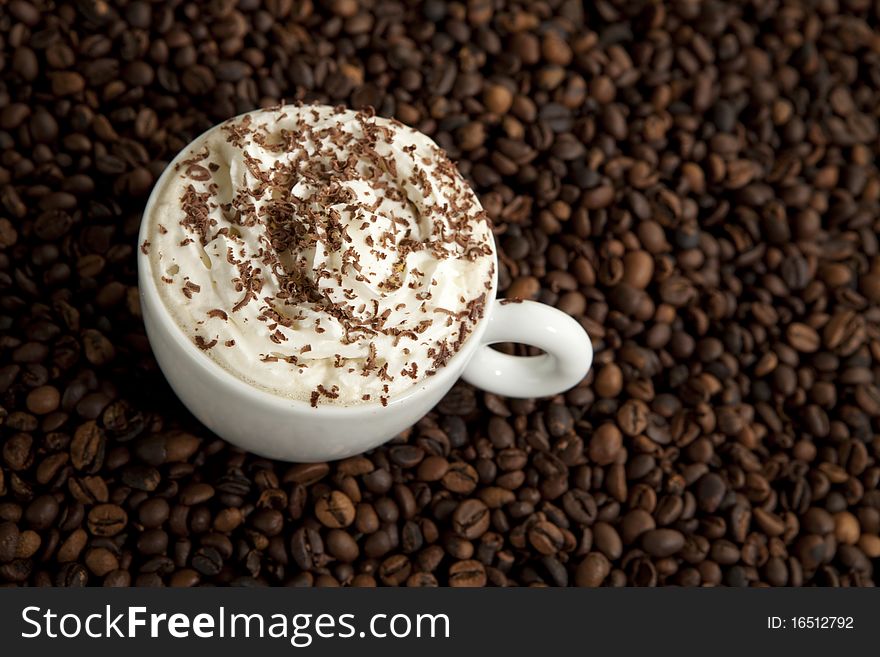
(569, 352)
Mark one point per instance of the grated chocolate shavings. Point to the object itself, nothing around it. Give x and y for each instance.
(189, 288)
(333, 393)
(204, 344)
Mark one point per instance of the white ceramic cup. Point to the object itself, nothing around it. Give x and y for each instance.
(283, 428)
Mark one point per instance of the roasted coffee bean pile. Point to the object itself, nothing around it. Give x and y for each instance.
(696, 182)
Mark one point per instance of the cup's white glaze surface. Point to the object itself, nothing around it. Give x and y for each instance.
(293, 430)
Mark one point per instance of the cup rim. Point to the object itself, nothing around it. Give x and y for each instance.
(148, 291)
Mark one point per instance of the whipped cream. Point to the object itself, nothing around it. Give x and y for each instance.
(321, 254)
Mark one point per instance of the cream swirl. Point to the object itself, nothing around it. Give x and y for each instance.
(320, 253)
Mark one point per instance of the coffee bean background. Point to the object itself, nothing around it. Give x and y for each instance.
(695, 182)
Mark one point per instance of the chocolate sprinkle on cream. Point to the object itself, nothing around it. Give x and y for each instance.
(203, 344)
(345, 255)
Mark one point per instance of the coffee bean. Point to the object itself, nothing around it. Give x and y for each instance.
(870, 545)
(306, 548)
(433, 468)
(72, 575)
(141, 477)
(769, 523)
(467, 574)
(395, 570)
(335, 510)
(607, 540)
(662, 542)
(167, 448)
(18, 451)
(98, 349)
(378, 544)
(43, 400)
(342, 546)
(638, 269)
(72, 546)
(818, 521)
(471, 136)
(710, 492)
(196, 493)
(422, 580)
(635, 523)
(609, 381)
(461, 478)
(65, 83)
(803, 338)
(153, 513)
(107, 520)
(458, 401)
(580, 506)
(632, 418)
(471, 519)
(497, 98)
(101, 561)
(87, 447)
(811, 551)
(598, 197)
(525, 287)
(605, 444)
(559, 420)
(42, 512)
(28, 544)
(546, 537)
(267, 521)
(406, 456)
(88, 490)
(593, 570)
(207, 561)
(9, 535)
(846, 528)
(307, 473)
